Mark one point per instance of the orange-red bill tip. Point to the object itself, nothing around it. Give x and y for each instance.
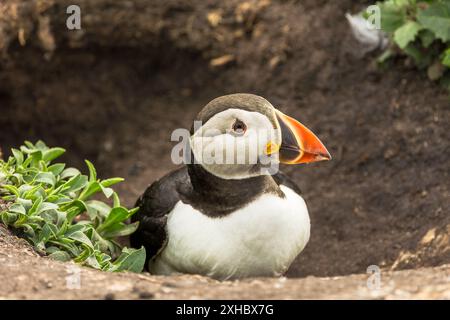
(299, 144)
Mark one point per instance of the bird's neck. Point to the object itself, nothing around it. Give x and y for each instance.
(229, 192)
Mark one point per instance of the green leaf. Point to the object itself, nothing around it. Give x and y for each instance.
(37, 203)
(130, 260)
(17, 179)
(22, 218)
(46, 177)
(84, 254)
(26, 203)
(18, 155)
(8, 218)
(75, 228)
(102, 208)
(40, 145)
(406, 33)
(116, 200)
(403, 3)
(426, 37)
(90, 189)
(36, 156)
(59, 198)
(17, 208)
(75, 183)
(76, 205)
(94, 187)
(91, 212)
(92, 171)
(52, 154)
(46, 206)
(120, 230)
(116, 215)
(437, 18)
(29, 144)
(392, 16)
(27, 162)
(34, 193)
(109, 182)
(11, 189)
(56, 168)
(69, 173)
(92, 262)
(27, 150)
(80, 237)
(47, 232)
(24, 188)
(68, 245)
(60, 256)
(446, 58)
(104, 260)
(108, 192)
(29, 230)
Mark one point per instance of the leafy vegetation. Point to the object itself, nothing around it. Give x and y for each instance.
(53, 208)
(421, 30)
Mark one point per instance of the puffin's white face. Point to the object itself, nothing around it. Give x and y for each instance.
(243, 136)
(236, 144)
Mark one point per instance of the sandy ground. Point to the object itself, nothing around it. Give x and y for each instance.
(25, 275)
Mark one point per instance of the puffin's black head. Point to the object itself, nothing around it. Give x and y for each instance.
(235, 135)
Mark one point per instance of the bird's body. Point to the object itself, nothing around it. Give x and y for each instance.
(258, 238)
(233, 220)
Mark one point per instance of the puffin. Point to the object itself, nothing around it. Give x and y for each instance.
(230, 219)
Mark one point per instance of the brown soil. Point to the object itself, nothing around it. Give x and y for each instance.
(115, 96)
(45, 278)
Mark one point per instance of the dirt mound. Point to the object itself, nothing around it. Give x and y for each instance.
(114, 92)
(44, 277)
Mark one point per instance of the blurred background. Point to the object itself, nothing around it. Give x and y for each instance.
(113, 92)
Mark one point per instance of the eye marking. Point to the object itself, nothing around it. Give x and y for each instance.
(239, 127)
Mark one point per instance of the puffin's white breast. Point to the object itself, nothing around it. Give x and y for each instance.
(261, 239)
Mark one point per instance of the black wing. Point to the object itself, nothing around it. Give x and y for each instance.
(154, 206)
(281, 178)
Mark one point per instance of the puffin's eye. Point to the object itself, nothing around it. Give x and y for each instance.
(239, 127)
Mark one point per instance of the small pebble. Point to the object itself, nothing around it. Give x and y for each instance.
(146, 295)
(110, 296)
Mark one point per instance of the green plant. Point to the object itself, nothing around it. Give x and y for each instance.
(420, 30)
(53, 208)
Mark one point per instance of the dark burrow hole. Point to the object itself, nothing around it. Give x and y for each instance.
(118, 109)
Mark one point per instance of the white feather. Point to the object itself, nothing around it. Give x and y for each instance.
(231, 156)
(368, 36)
(261, 239)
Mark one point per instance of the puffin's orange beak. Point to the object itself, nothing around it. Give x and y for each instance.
(299, 144)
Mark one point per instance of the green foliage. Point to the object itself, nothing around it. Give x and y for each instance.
(406, 33)
(421, 30)
(53, 208)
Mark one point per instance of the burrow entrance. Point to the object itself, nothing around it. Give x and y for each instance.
(383, 199)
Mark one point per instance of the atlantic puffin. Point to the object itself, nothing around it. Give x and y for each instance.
(230, 221)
